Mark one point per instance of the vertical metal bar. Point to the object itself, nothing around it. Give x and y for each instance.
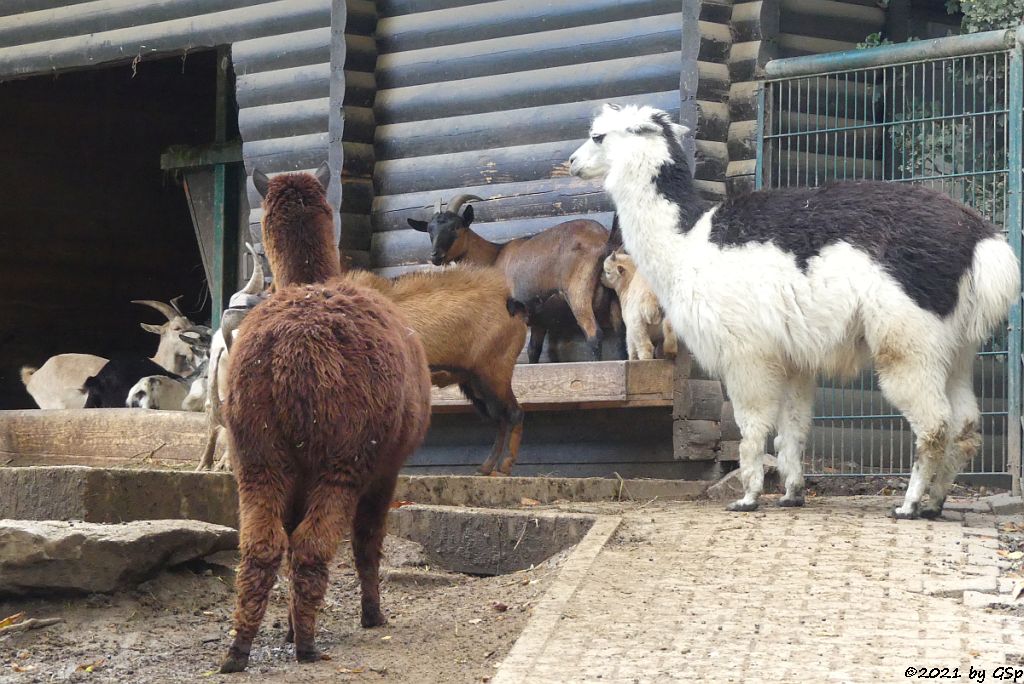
(225, 192)
(762, 120)
(1013, 225)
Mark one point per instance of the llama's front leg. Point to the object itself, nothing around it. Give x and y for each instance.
(756, 393)
(793, 424)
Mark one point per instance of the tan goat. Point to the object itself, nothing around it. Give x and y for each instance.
(645, 320)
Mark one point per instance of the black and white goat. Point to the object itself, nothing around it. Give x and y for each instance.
(769, 288)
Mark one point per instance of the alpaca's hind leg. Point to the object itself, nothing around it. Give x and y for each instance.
(262, 542)
(368, 530)
(313, 544)
(965, 436)
(917, 387)
(793, 425)
(756, 393)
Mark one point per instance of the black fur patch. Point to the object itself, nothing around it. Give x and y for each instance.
(924, 239)
(675, 182)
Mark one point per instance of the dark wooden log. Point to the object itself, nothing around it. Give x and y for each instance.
(362, 17)
(287, 154)
(360, 53)
(569, 121)
(282, 52)
(697, 400)
(400, 247)
(559, 196)
(424, 28)
(286, 119)
(360, 124)
(715, 41)
(830, 19)
(716, 11)
(714, 82)
(356, 196)
(794, 45)
(743, 101)
(712, 121)
(729, 429)
(612, 78)
(519, 52)
(756, 21)
(283, 85)
(695, 440)
(747, 60)
(742, 140)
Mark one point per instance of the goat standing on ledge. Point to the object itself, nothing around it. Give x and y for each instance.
(769, 288)
(564, 260)
(645, 320)
(328, 395)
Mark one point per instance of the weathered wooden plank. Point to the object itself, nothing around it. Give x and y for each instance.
(557, 85)
(517, 52)
(430, 25)
(830, 19)
(191, 33)
(747, 60)
(697, 400)
(525, 126)
(362, 17)
(755, 21)
(717, 12)
(12, 7)
(270, 53)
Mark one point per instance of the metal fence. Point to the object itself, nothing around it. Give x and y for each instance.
(945, 113)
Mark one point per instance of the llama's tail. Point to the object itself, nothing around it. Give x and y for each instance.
(996, 275)
(26, 374)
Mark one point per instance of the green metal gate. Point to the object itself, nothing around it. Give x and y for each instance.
(946, 113)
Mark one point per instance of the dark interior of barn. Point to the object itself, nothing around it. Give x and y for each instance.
(88, 220)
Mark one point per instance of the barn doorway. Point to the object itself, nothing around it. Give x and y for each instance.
(88, 220)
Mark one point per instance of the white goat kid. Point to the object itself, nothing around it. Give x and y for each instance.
(769, 288)
(645, 320)
(157, 392)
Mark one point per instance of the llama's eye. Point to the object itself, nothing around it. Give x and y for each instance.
(597, 138)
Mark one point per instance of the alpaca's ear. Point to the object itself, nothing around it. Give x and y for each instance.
(680, 130)
(467, 215)
(260, 180)
(323, 175)
(644, 128)
(612, 107)
(418, 225)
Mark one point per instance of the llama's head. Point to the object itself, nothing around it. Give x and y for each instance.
(172, 353)
(298, 228)
(448, 230)
(629, 133)
(618, 267)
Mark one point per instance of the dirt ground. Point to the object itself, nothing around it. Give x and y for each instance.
(443, 627)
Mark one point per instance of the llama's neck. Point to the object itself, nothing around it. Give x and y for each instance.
(301, 258)
(479, 250)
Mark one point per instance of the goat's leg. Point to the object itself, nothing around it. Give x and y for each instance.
(756, 392)
(313, 545)
(669, 345)
(262, 543)
(917, 387)
(514, 416)
(537, 334)
(965, 439)
(794, 423)
(638, 341)
(367, 540)
(580, 301)
(206, 462)
(475, 392)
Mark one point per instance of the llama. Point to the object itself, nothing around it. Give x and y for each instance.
(769, 288)
(645, 319)
(328, 395)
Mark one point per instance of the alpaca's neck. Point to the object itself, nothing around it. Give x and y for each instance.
(479, 250)
(302, 259)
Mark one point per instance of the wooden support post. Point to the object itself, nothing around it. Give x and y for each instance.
(225, 197)
(696, 414)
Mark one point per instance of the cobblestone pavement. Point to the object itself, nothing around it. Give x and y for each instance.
(833, 592)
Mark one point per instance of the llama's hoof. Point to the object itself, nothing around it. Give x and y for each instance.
(372, 619)
(308, 655)
(793, 501)
(741, 506)
(235, 662)
(289, 637)
(934, 510)
(911, 512)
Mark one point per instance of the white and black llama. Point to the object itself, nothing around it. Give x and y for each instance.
(769, 288)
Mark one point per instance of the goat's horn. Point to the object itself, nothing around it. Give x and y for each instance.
(437, 206)
(459, 200)
(166, 309)
(177, 306)
(255, 284)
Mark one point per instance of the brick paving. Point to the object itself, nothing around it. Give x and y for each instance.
(833, 592)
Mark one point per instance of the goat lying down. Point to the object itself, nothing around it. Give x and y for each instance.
(769, 288)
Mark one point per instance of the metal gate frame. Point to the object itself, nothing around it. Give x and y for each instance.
(822, 130)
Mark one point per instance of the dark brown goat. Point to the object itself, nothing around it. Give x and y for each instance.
(564, 259)
(472, 338)
(328, 395)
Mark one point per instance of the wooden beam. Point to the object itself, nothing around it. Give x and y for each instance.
(190, 157)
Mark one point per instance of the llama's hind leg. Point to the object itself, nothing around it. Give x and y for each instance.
(262, 543)
(756, 393)
(918, 389)
(793, 424)
(368, 530)
(313, 544)
(965, 435)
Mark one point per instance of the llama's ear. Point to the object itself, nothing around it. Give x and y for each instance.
(418, 225)
(467, 215)
(323, 175)
(680, 130)
(644, 128)
(260, 180)
(612, 107)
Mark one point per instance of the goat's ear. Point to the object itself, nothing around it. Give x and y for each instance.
(467, 215)
(418, 225)
(620, 268)
(155, 329)
(260, 180)
(323, 175)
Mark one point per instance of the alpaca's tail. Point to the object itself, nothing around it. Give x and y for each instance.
(26, 374)
(996, 275)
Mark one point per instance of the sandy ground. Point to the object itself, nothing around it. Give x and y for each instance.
(443, 627)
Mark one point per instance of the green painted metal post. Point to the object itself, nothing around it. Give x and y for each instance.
(762, 118)
(225, 199)
(1015, 124)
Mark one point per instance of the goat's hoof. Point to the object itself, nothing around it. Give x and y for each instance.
(497, 473)
(742, 506)
(235, 662)
(792, 502)
(371, 619)
(308, 655)
(901, 512)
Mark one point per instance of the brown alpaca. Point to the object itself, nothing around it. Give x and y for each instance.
(328, 395)
(462, 316)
